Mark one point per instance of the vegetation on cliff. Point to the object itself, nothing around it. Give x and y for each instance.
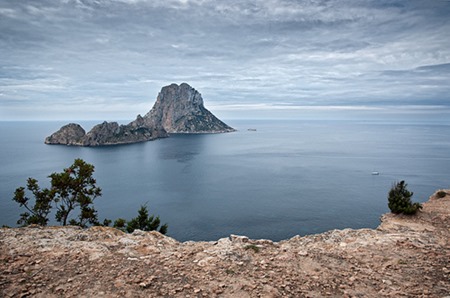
(143, 222)
(71, 190)
(74, 190)
(399, 200)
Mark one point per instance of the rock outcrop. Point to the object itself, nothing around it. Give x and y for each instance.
(178, 109)
(70, 134)
(106, 133)
(407, 256)
(113, 134)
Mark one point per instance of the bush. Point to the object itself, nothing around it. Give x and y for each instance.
(38, 213)
(71, 190)
(120, 224)
(399, 200)
(440, 194)
(142, 222)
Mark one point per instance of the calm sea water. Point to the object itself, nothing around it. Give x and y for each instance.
(286, 178)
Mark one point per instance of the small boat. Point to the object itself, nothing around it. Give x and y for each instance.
(375, 173)
(251, 129)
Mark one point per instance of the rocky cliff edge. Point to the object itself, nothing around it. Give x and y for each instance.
(406, 256)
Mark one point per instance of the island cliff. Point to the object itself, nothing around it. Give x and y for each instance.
(406, 256)
(178, 109)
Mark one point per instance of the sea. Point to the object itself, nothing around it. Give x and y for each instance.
(271, 179)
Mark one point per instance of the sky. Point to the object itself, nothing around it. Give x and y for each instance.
(108, 59)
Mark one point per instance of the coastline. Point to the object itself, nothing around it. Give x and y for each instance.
(405, 255)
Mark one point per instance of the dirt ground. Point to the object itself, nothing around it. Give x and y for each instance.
(406, 256)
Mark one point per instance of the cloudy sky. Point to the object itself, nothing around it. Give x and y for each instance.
(108, 59)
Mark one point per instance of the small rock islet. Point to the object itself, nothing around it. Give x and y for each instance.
(178, 109)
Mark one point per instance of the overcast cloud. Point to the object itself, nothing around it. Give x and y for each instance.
(108, 59)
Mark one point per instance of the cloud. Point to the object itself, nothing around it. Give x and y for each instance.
(289, 106)
(237, 53)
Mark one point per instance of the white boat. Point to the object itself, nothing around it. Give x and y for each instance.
(375, 173)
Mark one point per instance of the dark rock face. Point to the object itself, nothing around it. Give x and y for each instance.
(106, 133)
(113, 134)
(70, 134)
(178, 109)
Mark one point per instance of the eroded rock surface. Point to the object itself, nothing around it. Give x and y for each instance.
(70, 134)
(106, 133)
(180, 109)
(113, 134)
(407, 256)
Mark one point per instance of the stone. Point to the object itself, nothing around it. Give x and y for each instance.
(238, 239)
(303, 253)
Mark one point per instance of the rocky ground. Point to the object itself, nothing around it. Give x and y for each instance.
(404, 257)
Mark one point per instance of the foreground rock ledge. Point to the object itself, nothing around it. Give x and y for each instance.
(403, 257)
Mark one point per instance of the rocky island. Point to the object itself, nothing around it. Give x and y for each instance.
(178, 109)
(406, 256)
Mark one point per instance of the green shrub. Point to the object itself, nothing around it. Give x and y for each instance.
(72, 190)
(37, 213)
(106, 222)
(399, 200)
(440, 194)
(120, 224)
(142, 222)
